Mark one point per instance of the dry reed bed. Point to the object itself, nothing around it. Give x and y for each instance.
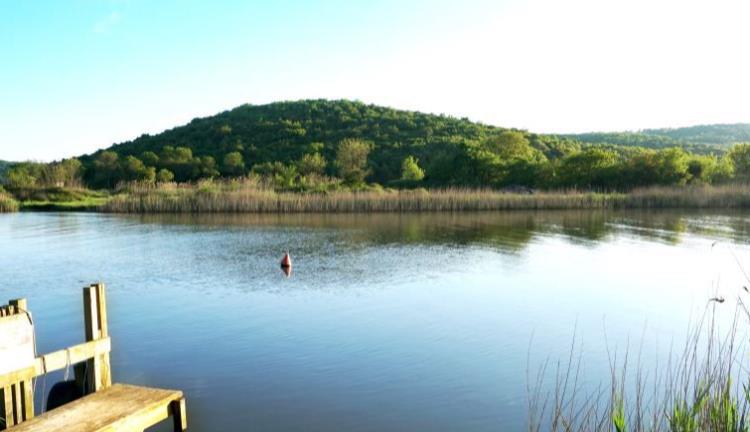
(7, 203)
(243, 198)
(723, 196)
(181, 200)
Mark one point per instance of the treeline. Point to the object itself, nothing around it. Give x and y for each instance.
(703, 139)
(645, 140)
(324, 145)
(722, 134)
(504, 160)
(4, 166)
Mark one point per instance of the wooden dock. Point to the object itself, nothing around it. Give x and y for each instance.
(104, 406)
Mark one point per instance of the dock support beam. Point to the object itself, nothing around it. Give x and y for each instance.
(94, 374)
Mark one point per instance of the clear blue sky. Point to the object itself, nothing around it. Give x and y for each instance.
(78, 75)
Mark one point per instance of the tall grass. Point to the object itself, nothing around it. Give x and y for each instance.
(7, 203)
(251, 195)
(722, 196)
(703, 387)
(235, 197)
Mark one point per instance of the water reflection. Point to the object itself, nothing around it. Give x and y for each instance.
(287, 270)
(389, 322)
(510, 232)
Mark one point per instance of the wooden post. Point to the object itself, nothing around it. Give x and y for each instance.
(24, 389)
(7, 407)
(179, 415)
(94, 374)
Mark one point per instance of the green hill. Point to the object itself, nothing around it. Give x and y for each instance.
(321, 145)
(285, 131)
(4, 166)
(718, 134)
(703, 139)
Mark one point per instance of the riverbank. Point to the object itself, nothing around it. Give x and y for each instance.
(57, 199)
(237, 197)
(226, 198)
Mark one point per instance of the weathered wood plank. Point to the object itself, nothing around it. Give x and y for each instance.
(58, 360)
(8, 415)
(117, 408)
(105, 375)
(97, 373)
(11, 379)
(24, 389)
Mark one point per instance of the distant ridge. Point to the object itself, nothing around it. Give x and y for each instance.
(4, 165)
(700, 139)
(283, 132)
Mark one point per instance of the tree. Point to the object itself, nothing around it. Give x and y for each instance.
(656, 167)
(134, 169)
(164, 176)
(69, 171)
(107, 169)
(351, 160)
(150, 158)
(176, 155)
(286, 176)
(63, 173)
(22, 175)
(593, 167)
(410, 169)
(312, 163)
(510, 145)
(149, 175)
(233, 164)
(739, 154)
(207, 167)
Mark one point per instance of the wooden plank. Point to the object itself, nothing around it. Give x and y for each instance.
(7, 402)
(16, 343)
(117, 408)
(105, 375)
(24, 389)
(27, 403)
(14, 377)
(58, 360)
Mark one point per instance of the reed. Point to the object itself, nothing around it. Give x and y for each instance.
(721, 196)
(7, 203)
(238, 197)
(253, 196)
(702, 387)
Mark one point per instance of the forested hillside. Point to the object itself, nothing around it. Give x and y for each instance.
(256, 136)
(704, 139)
(721, 134)
(321, 145)
(4, 166)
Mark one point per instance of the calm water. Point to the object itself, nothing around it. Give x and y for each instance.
(388, 322)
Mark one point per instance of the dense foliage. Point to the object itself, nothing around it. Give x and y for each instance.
(723, 134)
(323, 145)
(704, 139)
(4, 166)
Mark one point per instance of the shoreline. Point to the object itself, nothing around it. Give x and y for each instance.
(185, 198)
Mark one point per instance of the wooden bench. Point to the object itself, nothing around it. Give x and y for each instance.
(104, 406)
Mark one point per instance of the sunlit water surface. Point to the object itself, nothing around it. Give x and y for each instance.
(388, 322)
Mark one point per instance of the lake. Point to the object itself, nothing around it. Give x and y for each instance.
(391, 322)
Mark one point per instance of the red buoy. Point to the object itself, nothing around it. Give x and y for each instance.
(286, 261)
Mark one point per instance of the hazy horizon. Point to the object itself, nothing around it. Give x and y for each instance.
(80, 75)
